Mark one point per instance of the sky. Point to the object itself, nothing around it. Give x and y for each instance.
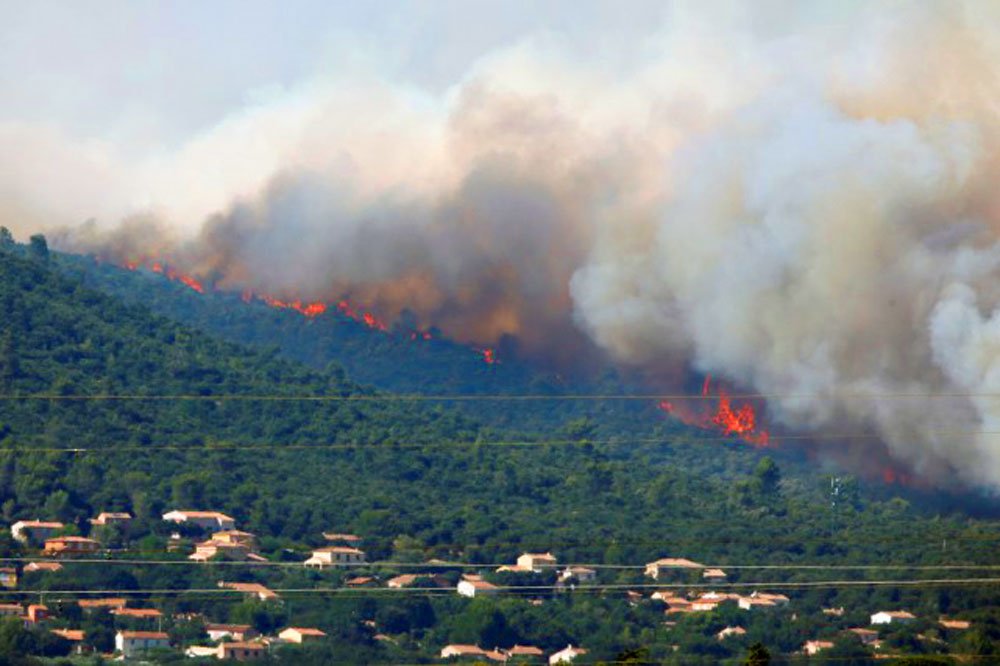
(151, 74)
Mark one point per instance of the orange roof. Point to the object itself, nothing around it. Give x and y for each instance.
(110, 602)
(41, 523)
(201, 514)
(43, 566)
(339, 549)
(524, 650)
(150, 635)
(360, 580)
(137, 612)
(71, 539)
(305, 631)
(954, 624)
(459, 648)
(70, 634)
(679, 562)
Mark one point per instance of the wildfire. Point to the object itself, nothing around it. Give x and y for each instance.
(489, 356)
(168, 272)
(740, 422)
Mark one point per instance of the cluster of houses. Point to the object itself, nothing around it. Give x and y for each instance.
(232, 641)
(237, 642)
(524, 652)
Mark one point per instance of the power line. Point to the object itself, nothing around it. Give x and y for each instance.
(387, 564)
(528, 589)
(492, 397)
(666, 439)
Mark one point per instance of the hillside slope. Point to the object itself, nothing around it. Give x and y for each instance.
(418, 481)
(399, 359)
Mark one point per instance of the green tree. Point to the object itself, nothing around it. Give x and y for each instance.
(38, 247)
(757, 655)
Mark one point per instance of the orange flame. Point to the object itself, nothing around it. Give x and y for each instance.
(489, 356)
(170, 273)
(738, 422)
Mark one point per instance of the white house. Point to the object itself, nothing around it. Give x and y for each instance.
(332, 556)
(35, 531)
(814, 647)
(300, 634)
(582, 574)
(654, 569)
(209, 520)
(730, 631)
(459, 650)
(536, 562)
(134, 643)
(236, 632)
(567, 655)
(473, 588)
(890, 617)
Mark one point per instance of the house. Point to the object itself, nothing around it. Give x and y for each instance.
(536, 562)
(137, 613)
(705, 604)
(892, 617)
(74, 636)
(251, 589)
(300, 634)
(237, 632)
(212, 549)
(835, 612)
(814, 647)
(714, 575)
(96, 604)
(134, 643)
(459, 650)
(866, 636)
(8, 577)
(236, 537)
(523, 651)
(7, 610)
(954, 624)
(409, 580)
(333, 556)
(581, 574)
(360, 581)
(42, 566)
(34, 531)
(71, 635)
(566, 655)
(37, 613)
(730, 631)
(473, 588)
(208, 520)
(654, 569)
(106, 518)
(71, 545)
(241, 651)
(762, 600)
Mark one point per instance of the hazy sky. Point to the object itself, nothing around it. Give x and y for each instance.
(139, 73)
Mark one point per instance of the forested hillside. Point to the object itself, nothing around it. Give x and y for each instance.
(107, 407)
(399, 359)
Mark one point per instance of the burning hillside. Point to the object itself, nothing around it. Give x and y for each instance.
(800, 219)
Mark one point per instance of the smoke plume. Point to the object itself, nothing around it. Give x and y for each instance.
(805, 206)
